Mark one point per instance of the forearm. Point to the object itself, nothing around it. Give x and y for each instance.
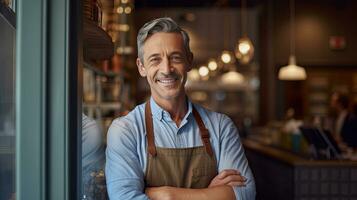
(173, 193)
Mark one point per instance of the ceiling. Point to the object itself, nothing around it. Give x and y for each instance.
(227, 3)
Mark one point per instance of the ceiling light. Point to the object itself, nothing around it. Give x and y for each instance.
(203, 71)
(226, 57)
(232, 78)
(292, 72)
(127, 10)
(120, 10)
(244, 50)
(212, 65)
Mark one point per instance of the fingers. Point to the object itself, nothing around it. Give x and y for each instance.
(227, 172)
(233, 178)
(236, 183)
(229, 177)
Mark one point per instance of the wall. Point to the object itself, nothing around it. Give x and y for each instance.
(315, 22)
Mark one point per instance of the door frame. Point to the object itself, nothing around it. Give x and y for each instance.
(48, 99)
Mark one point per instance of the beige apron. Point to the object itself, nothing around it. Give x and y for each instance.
(179, 167)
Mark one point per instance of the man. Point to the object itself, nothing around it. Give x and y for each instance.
(169, 148)
(345, 123)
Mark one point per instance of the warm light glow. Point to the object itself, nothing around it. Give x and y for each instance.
(212, 65)
(127, 10)
(244, 50)
(125, 50)
(124, 1)
(120, 10)
(244, 47)
(190, 17)
(292, 72)
(123, 27)
(232, 78)
(226, 57)
(193, 75)
(203, 71)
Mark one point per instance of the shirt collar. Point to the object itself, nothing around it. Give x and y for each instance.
(158, 112)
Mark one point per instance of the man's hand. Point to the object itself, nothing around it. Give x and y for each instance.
(229, 177)
(159, 193)
(174, 193)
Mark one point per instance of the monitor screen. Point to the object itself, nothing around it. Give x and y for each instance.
(322, 141)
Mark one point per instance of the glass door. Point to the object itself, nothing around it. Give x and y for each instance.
(7, 102)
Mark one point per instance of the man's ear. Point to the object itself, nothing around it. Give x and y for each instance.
(189, 61)
(141, 67)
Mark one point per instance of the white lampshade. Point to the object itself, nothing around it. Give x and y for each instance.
(232, 78)
(244, 50)
(292, 72)
(193, 75)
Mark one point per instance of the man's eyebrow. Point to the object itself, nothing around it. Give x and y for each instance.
(177, 53)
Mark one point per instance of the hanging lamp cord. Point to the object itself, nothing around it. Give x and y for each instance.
(292, 27)
(244, 17)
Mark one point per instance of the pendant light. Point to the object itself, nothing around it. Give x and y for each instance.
(232, 78)
(226, 55)
(244, 49)
(292, 71)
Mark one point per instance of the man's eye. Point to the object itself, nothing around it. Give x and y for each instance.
(155, 60)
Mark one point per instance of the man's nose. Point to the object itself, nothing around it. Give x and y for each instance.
(166, 67)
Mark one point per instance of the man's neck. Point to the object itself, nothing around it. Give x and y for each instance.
(177, 108)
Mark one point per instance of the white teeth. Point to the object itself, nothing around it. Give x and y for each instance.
(166, 81)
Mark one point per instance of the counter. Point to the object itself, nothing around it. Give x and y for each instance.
(280, 174)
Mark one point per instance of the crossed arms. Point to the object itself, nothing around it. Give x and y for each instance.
(126, 154)
(219, 188)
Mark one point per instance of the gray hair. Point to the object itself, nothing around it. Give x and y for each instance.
(166, 25)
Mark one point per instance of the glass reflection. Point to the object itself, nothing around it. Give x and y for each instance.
(7, 103)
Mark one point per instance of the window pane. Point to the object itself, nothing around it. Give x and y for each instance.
(7, 103)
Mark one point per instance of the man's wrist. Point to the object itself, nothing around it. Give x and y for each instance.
(162, 193)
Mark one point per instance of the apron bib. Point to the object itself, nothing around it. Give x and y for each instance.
(179, 167)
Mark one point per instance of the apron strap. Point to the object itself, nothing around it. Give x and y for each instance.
(203, 131)
(149, 130)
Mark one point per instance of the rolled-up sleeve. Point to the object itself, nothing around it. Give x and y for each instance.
(124, 175)
(232, 157)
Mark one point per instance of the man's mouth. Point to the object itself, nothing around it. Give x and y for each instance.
(167, 81)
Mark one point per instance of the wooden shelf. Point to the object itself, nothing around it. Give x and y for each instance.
(97, 44)
(103, 105)
(98, 71)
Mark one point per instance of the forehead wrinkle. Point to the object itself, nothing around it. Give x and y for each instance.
(162, 45)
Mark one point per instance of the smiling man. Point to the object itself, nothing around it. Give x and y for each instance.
(168, 147)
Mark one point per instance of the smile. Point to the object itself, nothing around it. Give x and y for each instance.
(167, 81)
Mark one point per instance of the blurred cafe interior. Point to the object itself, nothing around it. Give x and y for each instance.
(285, 71)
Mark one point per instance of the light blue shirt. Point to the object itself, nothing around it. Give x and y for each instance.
(92, 149)
(126, 155)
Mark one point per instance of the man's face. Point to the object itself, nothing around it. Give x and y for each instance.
(334, 101)
(165, 65)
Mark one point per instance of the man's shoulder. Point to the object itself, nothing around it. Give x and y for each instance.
(87, 122)
(126, 129)
(129, 121)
